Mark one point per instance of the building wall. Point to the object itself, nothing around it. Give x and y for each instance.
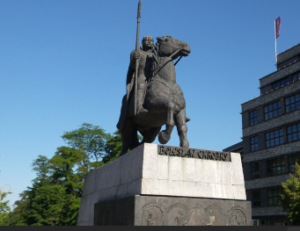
(288, 54)
(288, 64)
(277, 151)
(267, 211)
(266, 182)
(279, 74)
(273, 124)
(273, 96)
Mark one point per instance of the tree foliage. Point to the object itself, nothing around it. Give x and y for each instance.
(18, 216)
(113, 147)
(4, 209)
(290, 199)
(88, 138)
(54, 198)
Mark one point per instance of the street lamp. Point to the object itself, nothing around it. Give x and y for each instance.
(1, 190)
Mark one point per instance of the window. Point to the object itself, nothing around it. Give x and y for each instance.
(281, 83)
(274, 196)
(296, 76)
(253, 117)
(273, 110)
(292, 103)
(254, 170)
(274, 138)
(293, 132)
(254, 143)
(276, 166)
(292, 162)
(256, 198)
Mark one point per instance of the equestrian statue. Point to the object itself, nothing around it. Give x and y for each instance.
(153, 98)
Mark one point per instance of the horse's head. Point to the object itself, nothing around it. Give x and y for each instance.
(168, 46)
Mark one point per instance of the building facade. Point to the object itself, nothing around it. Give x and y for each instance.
(271, 138)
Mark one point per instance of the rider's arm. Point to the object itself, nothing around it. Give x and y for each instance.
(133, 56)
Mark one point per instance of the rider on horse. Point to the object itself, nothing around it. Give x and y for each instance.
(159, 99)
(144, 54)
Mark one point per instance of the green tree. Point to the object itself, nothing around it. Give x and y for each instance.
(113, 147)
(290, 198)
(4, 209)
(18, 216)
(88, 138)
(57, 202)
(54, 198)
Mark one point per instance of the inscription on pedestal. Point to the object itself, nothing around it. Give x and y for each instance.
(193, 153)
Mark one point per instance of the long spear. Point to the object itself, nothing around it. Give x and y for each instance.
(137, 60)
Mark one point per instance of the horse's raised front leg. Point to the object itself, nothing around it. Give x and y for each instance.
(180, 120)
(165, 135)
(150, 134)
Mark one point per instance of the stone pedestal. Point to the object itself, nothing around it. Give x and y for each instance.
(140, 210)
(165, 175)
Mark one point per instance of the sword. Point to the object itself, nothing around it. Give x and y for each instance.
(137, 60)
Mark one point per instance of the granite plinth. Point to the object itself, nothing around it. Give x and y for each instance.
(141, 210)
(143, 171)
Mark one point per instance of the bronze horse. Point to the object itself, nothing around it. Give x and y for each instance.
(164, 100)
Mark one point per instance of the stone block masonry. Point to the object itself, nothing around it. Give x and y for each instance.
(142, 210)
(143, 171)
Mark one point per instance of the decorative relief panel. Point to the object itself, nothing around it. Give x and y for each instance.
(152, 215)
(195, 212)
(237, 218)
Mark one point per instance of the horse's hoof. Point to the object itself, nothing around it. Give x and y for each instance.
(164, 137)
(184, 144)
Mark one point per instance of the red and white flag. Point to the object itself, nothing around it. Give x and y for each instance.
(277, 27)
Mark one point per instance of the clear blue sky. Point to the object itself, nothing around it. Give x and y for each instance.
(64, 63)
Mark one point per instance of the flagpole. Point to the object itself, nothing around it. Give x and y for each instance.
(275, 41)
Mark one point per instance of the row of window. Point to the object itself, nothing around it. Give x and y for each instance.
(273, 110)
(285, 81)
(274, 197)
(276, 137)
(276, 166)
(280, 83)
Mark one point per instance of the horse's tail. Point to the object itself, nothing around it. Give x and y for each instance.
(121, 123)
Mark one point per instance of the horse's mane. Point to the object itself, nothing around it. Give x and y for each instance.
(155, 60)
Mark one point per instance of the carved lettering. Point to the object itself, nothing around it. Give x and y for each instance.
(193, 153)
(200, 154)
(173, 152)
(179, 152)
(208, 155)
(184, 151)
(190, 153)
(162, 149)
(213, 155)
(168, 150)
